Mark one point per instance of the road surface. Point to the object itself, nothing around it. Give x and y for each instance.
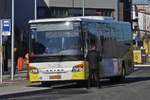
(136, 87)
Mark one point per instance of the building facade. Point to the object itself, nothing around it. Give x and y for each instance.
(5, 9)
(141, 26)
(118, 9)
(24, 9)
(64, 8)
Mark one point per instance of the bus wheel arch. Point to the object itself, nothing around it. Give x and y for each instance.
(121, 77)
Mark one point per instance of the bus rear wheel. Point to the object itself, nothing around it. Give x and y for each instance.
(120, 78)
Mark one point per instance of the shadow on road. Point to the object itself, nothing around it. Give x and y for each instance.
(136, 79)
(128, 80)
(106, 83)
(136, 76)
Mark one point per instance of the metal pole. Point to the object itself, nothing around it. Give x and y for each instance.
(72, 13)
(83, 7)
(1, 56)
(73, 4)
(117, 10)
(35, 9)
(12, 45)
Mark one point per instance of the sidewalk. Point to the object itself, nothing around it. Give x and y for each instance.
(142, 65)
(20, 85)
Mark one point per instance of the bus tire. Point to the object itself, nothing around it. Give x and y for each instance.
(82, 84)
(123, 72)
(121, 78)
(46, 84)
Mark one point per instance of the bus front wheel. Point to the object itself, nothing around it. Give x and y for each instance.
(46, 84)
(83, 83)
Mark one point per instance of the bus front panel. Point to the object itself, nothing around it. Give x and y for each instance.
(54, 71)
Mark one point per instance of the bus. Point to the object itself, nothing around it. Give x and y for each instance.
(58, 48)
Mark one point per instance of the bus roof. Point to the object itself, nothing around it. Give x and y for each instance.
(70, 19)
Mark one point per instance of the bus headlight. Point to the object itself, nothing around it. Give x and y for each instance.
(34, 70)
(78, 68)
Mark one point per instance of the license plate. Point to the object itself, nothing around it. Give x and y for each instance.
(55, 77)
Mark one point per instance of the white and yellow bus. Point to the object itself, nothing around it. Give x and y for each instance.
(58, 48)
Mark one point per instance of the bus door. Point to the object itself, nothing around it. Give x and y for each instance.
(88, 39)
(91, 39)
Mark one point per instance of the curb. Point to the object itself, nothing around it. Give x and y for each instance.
(31, 92)
(141, 65)
(23, 93)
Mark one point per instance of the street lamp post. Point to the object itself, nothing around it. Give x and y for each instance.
(117, 10)
(12, 45)
(35, 9)
(83, 7)
(72, 12)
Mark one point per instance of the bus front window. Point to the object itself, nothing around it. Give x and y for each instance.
(57, 41)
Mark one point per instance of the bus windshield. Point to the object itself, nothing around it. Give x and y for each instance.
(55, 39)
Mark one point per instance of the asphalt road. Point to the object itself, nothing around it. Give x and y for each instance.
(136, 87)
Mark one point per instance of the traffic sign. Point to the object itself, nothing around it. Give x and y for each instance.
(6, 27)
